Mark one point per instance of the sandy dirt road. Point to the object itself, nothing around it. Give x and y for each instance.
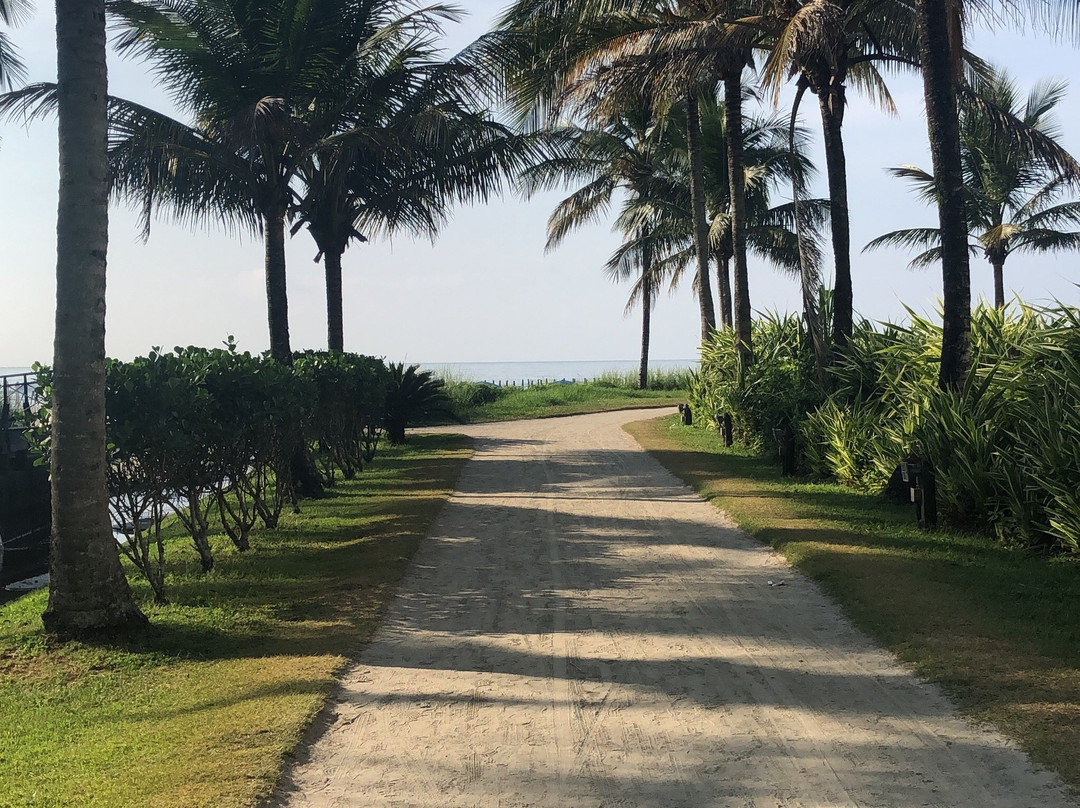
(581, 630)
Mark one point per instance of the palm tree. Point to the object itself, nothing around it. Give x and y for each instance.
(1010, 193)
(771, 158)
(636, 261)
(660, 217)
(699, 46)
(264, 82)
(259, 79)
(940, 46)
(678, 50)
(87, 587)
(407, 147)
(628, 149)
(12, 69)
(826, 44)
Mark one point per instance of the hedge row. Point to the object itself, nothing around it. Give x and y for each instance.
(212, 436)
(1005, 449)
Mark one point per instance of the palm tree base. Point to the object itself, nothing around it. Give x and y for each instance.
(121, 617)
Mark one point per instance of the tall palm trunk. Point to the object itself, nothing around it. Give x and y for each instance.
(305, 477)
(87, 587)
(277, 295)
(723, 281)
(939, 69)
(646, 326)
(335, 335)
(831, 102)
(646, 309)
(697, 212)
(733, 130)
(998, 263)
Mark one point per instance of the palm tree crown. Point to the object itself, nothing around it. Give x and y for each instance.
(1012, 196)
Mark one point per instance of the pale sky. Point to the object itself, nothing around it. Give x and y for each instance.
(485, 291)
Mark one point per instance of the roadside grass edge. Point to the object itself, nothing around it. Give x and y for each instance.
(207, 707)
(998, 629)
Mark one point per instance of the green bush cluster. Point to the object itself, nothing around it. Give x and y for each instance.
(775, 391)
(210, 434)
(1005, 449)
(344, 417)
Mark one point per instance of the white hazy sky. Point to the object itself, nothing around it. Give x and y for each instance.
(485, 291)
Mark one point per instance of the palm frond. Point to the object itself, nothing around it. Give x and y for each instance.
(1008, 127)
(585, 205)
(909, 238)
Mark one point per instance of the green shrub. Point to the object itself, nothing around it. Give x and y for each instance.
(1005, 449)
(412, 395)
(777, 390)
(344, 417)
(209, 434)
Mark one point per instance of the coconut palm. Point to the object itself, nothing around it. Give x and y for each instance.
(939, 24)
(772, 157)
(769, 163)
(697, 46)
(1012, 196)
(628, 149)
(678, 50)
(827, 44)
(636, 261)
(409, 147)
(87, 587)
(657, 224)
(263, 81)
(940, 37)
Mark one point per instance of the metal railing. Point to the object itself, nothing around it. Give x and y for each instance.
(20, 397)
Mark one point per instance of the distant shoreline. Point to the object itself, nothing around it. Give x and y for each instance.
(552, 369)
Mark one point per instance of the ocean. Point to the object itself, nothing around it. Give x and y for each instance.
(518, 372)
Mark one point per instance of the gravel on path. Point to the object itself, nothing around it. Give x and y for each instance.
(581, 630)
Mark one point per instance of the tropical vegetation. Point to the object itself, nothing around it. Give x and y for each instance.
(12, 69)
(345, 119)
(1002, 447)
(206, 437)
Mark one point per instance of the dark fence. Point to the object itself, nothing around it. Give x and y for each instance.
(24, 486)
(20, 398)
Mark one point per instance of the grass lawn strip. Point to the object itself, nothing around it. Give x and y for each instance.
(550, 400)
(998, 629)
(204, 709)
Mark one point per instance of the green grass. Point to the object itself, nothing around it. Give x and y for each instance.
(547, 400)
(1000, 630)
(205, 707)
